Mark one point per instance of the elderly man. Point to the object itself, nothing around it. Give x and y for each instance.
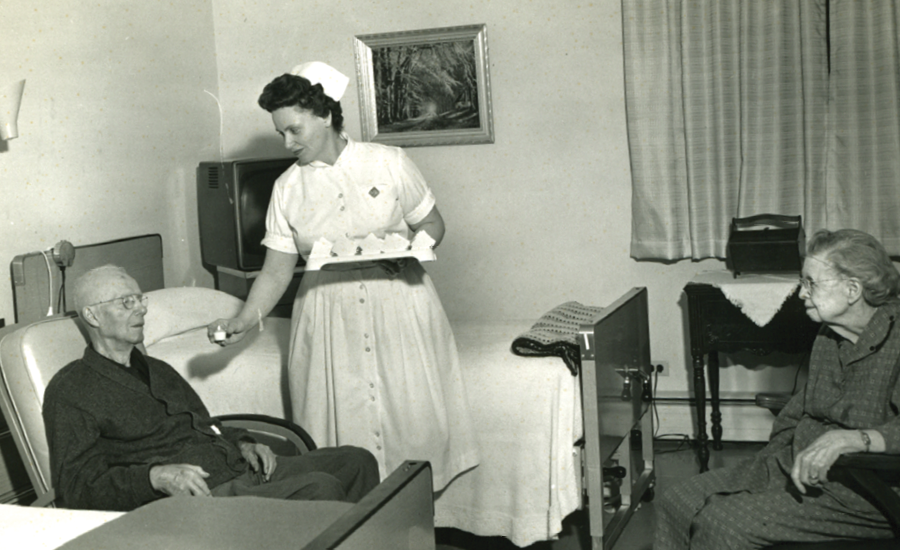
(125, 429)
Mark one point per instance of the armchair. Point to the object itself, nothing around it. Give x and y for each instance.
(31, 353)
(869, 475)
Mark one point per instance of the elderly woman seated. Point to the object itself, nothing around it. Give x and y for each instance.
(851, 403)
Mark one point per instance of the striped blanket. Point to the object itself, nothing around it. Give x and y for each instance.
(555, 334)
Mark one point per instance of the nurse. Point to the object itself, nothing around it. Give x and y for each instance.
(373, 361)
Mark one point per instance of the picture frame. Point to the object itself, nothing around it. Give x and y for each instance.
(425, 87)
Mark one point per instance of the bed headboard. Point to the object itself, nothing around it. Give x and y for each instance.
(36, 287)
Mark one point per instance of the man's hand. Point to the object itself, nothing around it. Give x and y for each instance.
(256, 452)
(811, 465)
(180, 479)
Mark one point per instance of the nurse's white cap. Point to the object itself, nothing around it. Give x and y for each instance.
(333, 82)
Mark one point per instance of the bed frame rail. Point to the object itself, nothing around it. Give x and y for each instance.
(618, 428)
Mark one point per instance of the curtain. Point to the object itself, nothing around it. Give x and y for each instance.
(863, 185)
(732, 112)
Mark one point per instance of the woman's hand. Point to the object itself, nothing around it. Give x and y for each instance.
(226, 331)
(259, 456)
(811, 465)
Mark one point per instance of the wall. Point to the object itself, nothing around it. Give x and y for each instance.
(113, 121)
(115, 118)
(539, 217)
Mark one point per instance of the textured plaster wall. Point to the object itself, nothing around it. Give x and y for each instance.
(112, 124)
(115, 119)
(539, 217)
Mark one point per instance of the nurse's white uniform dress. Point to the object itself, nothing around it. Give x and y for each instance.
(373, 360)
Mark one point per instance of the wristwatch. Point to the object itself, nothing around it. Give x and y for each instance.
(867, 441)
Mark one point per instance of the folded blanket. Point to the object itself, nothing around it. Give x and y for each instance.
(556, 333)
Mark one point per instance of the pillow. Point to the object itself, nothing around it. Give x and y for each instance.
(172, 311)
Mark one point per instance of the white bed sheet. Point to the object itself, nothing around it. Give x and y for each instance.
(528, 416)
(526, 411)
(248, 377)
(45, 528)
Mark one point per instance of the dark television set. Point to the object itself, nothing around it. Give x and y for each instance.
(232, 199)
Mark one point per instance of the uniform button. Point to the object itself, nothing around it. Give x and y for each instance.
(362, 286)
(340, 195)
(372, 386)
(377, 434)
(373, 398)
(368, 349)
(366, 335)
(378, 447)
(342, 208)
(362, 300)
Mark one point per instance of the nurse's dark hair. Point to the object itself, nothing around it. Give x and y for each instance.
(857, 254)
(290, 90)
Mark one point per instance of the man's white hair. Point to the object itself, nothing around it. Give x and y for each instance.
(90, 284)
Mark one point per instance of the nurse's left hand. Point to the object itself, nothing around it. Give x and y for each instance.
(393, 267)
(259, 455)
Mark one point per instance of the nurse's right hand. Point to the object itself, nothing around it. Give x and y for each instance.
(225, 331)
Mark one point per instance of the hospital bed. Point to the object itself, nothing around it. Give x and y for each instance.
(550, 442)
(396, 514)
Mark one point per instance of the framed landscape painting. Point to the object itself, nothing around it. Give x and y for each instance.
(427, 87)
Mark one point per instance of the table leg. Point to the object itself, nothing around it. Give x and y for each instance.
(716, 417)
(700, 405)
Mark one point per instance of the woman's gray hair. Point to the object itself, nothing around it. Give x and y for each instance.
(857, 254)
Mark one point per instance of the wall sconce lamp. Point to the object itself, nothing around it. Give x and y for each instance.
(10, 99)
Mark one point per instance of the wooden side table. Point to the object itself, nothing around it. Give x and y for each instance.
(717, 325)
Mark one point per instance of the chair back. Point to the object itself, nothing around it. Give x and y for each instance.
(30, 354)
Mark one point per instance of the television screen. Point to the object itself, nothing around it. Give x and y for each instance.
(232, 200)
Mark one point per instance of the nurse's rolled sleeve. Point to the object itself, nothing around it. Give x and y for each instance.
(419, 213)
(415, 196)
(279, 236)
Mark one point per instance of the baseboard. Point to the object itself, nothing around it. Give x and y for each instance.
(742, 421)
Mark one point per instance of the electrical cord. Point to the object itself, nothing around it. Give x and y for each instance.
(61, 295)
(49, 282)
(653, 404)
(683, 439)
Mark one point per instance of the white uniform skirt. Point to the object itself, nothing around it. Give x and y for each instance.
(374, 364)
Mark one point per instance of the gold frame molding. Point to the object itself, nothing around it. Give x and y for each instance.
(365, 72)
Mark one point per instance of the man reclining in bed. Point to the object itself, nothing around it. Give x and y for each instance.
(125, 429)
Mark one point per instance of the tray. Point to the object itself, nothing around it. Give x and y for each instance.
(347, 262)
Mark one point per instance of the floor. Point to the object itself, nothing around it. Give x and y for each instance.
(674, 460)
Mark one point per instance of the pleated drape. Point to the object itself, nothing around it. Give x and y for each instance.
(732, 112)
(864, 144)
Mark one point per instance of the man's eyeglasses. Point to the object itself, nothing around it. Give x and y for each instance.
(128, 302)
(809, 285)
